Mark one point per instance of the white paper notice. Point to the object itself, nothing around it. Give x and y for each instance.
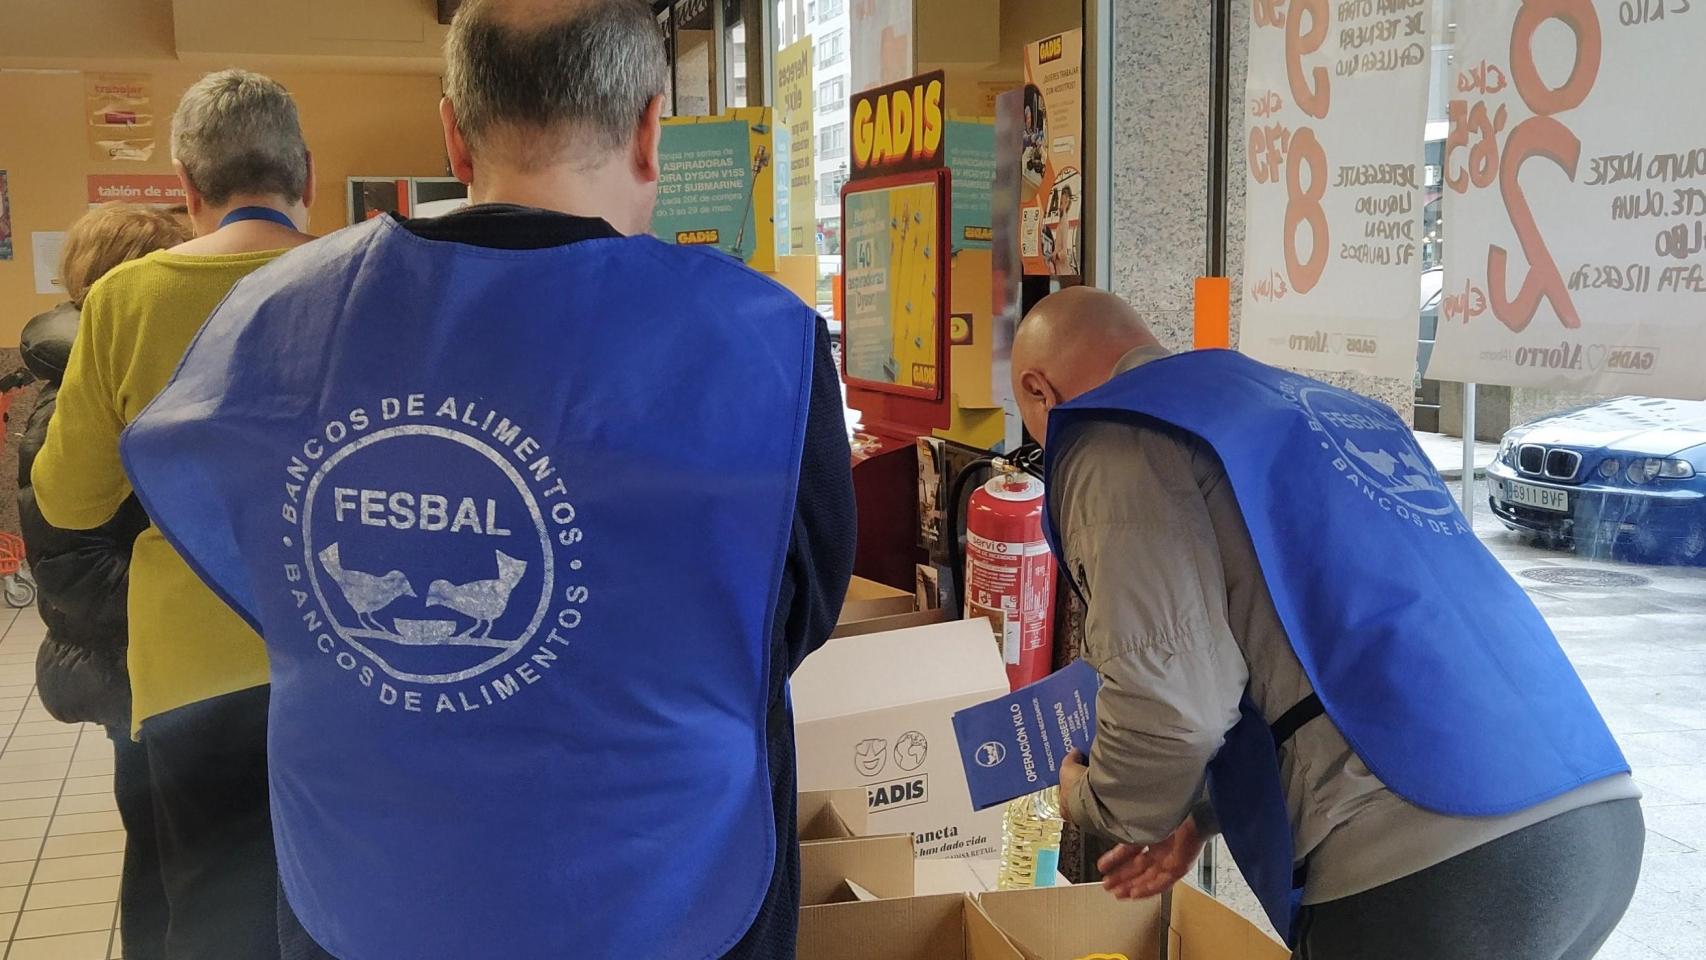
(1336, 110)
(1575, 203)
(45, 248)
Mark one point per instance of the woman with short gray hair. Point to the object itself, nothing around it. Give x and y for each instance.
(198, 672)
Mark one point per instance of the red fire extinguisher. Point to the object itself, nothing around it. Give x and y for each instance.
(1009, 573)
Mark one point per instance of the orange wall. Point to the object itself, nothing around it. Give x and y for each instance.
(356, 125)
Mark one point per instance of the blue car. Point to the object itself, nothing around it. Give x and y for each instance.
(1623, 479)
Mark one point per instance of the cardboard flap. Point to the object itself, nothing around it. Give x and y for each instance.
(882, 865)
(899, 668)
(831, 815)
(903, 621)
(1209, 930)
(915, 928)
(1066, 923)
(985, 939)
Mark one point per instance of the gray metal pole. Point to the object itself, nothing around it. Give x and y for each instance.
(1469, 454)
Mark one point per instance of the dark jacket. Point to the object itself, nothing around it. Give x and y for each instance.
(82, 576)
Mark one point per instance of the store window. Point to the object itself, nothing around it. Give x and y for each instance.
(743, 19)
(695, 57)
(829, 188)
(832, 49)
(832, 142)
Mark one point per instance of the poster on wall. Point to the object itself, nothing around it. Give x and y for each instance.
(718, 185)
(880, 41)
(153, 189)
(971, 155)
(120, 116)
(891, 244)
(1335, 109)
(1575, 199)
(1051, 200)
(795, 116)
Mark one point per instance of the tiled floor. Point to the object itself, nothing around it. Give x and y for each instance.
(61, 842)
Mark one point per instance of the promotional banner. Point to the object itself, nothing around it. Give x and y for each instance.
(890, 253)
(1336, 109)
(1575, 203)
(794, 113)
(1051, 203)
(971, 156)
(120, 116)
(880, 38)
(154, 189)
(1013, 746)
(718, 184)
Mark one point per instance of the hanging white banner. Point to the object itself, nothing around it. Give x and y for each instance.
(1336, 110)
(1575, 204)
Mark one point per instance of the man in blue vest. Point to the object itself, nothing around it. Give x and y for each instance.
(536, 514)
(1290, 614)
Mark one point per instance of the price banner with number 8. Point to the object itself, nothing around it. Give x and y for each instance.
(1336, 108)
(1575, 198)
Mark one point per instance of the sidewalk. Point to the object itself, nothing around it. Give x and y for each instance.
(1447, 454)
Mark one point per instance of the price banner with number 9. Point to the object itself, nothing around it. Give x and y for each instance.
(1575, 198)
(1335, 109)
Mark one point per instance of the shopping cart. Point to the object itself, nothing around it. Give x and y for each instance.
(16, 584)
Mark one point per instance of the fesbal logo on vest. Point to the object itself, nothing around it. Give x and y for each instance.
(434, 556)
(1367, 445)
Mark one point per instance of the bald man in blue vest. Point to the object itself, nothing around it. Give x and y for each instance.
(1305, 647)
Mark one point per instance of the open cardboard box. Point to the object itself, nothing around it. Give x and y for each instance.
(869, 600)
(1055, 923)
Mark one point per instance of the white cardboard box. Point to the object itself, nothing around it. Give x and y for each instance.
(875, 712)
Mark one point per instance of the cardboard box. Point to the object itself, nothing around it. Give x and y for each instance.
(875, 712)
(1069, 923)
(880, 865)
(946, 927)
(868, 600)
(1062, 923)
(901, 621)
(830, 815)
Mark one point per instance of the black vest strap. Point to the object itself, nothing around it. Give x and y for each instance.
(1293, 720)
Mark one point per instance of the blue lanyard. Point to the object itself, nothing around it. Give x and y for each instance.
(256, 213)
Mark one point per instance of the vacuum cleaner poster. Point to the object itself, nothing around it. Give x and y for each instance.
(718, 185)
(1335, 112)
(1575, 198)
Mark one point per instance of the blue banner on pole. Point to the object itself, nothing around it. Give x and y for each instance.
(1014, 745)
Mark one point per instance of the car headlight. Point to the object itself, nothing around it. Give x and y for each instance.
(1609, 468)
(1648, 469)
(1507, 452)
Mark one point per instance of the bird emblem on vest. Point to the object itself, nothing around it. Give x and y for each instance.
(365, 593)
(484, 601)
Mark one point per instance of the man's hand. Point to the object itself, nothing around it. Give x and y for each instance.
(1131, 872)
(1072, 771)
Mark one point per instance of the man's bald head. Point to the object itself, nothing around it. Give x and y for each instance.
(1069, 345)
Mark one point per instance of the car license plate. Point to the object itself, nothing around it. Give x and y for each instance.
(1540, 498)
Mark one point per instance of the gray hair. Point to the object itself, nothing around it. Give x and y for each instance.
(237, 132)
(581, 68)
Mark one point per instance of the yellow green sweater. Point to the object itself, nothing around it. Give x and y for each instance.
(185, 644)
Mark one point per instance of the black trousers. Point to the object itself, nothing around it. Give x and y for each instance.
(1553, 891)
(142, 888)
(207, 767)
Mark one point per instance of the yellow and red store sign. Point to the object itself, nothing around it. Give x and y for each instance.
(898, 128)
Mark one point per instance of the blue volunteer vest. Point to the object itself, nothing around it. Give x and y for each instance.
(512, 524)
(1428, 657)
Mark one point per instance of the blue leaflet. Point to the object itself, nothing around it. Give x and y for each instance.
(1014, 745)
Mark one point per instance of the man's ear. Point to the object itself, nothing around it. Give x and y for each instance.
(455, 145)
(647, 137)
(1037, 387)
(194, 202)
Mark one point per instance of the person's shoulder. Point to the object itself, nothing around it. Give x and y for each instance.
(126, 286)
(704, 264)
(309, 266)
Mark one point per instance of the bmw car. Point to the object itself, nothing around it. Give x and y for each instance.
(1623, 479)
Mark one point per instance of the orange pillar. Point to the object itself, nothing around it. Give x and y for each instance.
(1214, 313)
